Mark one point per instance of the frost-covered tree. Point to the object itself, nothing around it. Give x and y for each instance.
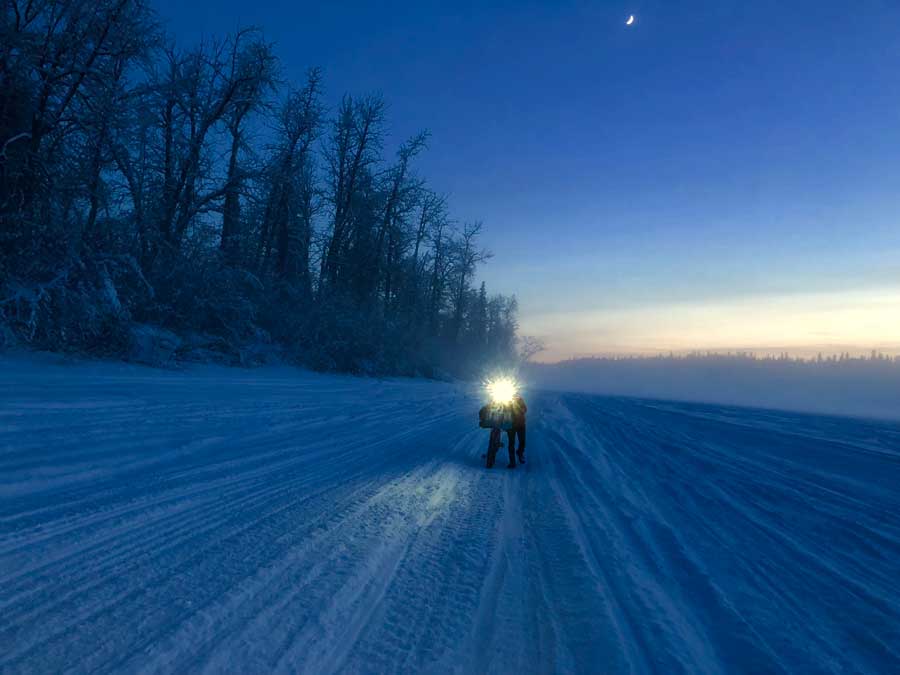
(149, 188)
(251, 63)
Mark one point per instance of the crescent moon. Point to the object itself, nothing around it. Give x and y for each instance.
(630, 20)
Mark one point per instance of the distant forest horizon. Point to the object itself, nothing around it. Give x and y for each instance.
(830, 354)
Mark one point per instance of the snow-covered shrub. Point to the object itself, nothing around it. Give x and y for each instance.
(79, 309)
(152, 345)
(260, 353)
(198, 295)
(7, 337)
(201, 348)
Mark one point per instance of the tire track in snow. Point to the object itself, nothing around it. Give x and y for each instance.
(259, 498)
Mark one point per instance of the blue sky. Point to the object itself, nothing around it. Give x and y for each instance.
(722, 174)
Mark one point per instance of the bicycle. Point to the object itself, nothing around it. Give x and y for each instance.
(497, 418)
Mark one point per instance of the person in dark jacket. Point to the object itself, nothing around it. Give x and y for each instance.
(518, 413)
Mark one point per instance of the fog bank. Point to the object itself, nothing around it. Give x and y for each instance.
(843, 386)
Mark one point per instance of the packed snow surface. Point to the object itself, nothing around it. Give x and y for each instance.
(274, 520)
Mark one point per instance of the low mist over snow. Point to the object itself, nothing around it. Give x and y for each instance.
(866, 387)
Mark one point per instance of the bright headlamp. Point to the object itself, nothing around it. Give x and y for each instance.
(502, 390)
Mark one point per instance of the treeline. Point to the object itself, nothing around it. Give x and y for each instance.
(874, 356)
(161, 202)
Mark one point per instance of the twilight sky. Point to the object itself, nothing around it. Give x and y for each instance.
(722, 174)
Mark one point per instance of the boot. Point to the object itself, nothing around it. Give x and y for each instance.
(521, 456)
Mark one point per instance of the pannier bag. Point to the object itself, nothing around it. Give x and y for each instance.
(495, 417)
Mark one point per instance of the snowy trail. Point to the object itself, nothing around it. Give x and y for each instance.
(273, 520)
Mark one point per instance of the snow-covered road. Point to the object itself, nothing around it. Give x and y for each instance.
(253, 521)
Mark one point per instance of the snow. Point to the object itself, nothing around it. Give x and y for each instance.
(273, 520)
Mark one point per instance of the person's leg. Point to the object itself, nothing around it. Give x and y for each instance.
(493, 447)
(521, 449)
(511, 437)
